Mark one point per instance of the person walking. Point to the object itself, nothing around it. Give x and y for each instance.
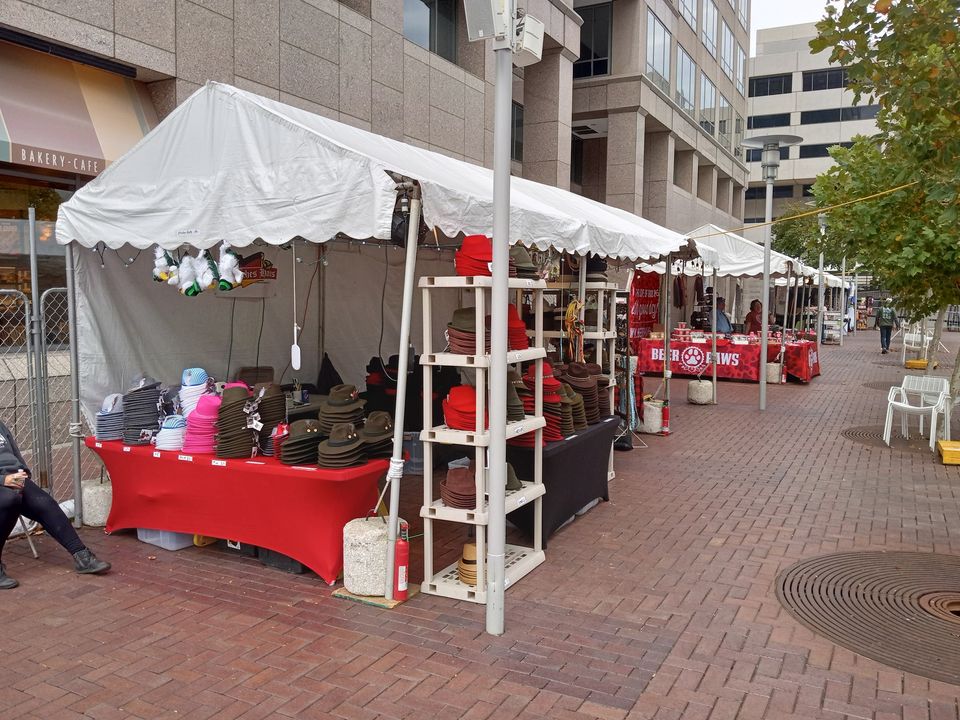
(886, 320)
(19, 495)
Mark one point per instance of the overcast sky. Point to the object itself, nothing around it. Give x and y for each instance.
(774, 13)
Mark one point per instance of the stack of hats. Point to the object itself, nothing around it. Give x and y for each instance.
(552, 404)
(193, 384)
(576, 406)
(343, 405)
(110, 418)
(580, 379)
(516, 330)
(459, 489)
(603, 387)
(596, 269)
(520, 259)
(301, 444)
(234, 438)
(515, 409)
(462, 332)
(269, 441)
(460, 409)
(566, 409)
(201, 434)
(344, 448)
(513, 482)
(377, 435)
(173, 431)
(141, 412)
(474, 256)
(467, 566)
(272, 409)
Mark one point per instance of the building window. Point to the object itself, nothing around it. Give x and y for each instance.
(709, 33)
(757, 122)
(741, 68)
(737, 136)
(807, 191)
(819, 150)
(432, 24)
(595, 40)
(771, 85)
(724, 123)
(576, 160)
(825, 79)
(686, 80)
(753, 155)
(708, 105)
(860, 112)
(688, 9)
(658, 52)
(516, 132)
(753, 221)
(742, 12)
(812, 117)
(759, 192)
(726, 49)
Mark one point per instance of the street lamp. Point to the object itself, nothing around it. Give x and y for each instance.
(770, 162)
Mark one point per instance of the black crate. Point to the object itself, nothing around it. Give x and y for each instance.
(239, 548)
(271, 558)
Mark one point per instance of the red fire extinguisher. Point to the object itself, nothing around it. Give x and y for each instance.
(665, 429)
(401, 563)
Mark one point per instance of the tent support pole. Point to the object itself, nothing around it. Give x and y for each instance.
(395, 473)
(843, 298)
(765, 294)
(75, 428)
(713, 326)
(783, 333)
(668, 281)
(499, 297)
(821, 303)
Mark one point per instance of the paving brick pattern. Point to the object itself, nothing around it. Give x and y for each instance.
(658, 604)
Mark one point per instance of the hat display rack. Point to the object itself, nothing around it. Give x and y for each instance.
(468, 410)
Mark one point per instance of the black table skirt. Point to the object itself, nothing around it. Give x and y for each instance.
(574, 472)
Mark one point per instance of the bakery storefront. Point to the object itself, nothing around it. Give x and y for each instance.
(62, 122)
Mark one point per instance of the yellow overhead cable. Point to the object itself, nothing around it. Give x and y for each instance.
(808, 213)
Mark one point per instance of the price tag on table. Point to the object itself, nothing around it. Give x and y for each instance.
(185, 458)
(98, 444)
(219, 463)
(156, 453)
(127, 449)
(521, 500)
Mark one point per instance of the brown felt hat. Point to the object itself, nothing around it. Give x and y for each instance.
(378, 427)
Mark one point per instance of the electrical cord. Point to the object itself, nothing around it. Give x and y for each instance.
(233, 310)
(263, 314)
(306, 308)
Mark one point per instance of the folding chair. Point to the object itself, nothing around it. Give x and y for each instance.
(898, 399)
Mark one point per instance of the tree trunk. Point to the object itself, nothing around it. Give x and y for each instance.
(935, 343)
(955, 378)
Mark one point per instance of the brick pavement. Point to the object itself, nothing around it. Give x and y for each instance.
(658, 604)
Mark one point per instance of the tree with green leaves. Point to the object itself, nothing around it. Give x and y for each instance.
(800, 237)
(905, 56)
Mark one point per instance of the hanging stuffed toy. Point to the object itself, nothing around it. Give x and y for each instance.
(231, 275)
(207, 274)
(164, 265)
(187, 277)
(574, 327)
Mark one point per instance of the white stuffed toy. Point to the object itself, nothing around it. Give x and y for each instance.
(164, 266)
(207, 274)
(187, 277)
(229, 266)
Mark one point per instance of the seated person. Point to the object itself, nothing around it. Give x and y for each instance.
(724, 325)
(19, 495)
(754, 319)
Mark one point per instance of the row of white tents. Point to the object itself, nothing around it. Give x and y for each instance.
(228, 165)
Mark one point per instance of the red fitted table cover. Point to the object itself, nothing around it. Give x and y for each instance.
(735, 362)
(299, 511)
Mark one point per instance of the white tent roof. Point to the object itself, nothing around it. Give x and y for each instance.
(231, 165)
(740, 257)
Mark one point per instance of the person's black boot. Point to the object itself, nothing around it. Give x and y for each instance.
(6, 582)
(89, 564)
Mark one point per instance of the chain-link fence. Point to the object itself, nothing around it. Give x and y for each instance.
(16, 371)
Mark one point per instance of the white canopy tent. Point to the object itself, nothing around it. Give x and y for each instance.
(228, 165)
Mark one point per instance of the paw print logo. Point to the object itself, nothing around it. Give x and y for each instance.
(693, 358)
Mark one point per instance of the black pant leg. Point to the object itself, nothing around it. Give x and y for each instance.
(10, 502)
(39, 506)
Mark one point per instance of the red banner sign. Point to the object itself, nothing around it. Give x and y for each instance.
(734, 362)
(644, 308)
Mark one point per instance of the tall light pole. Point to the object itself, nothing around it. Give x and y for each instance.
(770, 162)
(821, 304)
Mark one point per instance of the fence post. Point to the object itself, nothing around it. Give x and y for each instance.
(75, 429)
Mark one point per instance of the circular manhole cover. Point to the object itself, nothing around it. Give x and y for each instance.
(898, 608)
(872, 436)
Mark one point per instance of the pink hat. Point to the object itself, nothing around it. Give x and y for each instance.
(208, 406)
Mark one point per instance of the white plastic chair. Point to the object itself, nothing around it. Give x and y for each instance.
(898, 399)
(928, 389)
(917, 342)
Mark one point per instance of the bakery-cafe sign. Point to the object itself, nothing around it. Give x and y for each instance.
(67, 162)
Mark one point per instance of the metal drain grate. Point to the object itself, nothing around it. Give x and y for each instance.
(898, 608)
(872, 436)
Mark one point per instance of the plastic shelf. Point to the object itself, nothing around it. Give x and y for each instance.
(447, 436)
(478, 281)
(518, 561)
(515, 499)
(481, 361)
(587, 335)
(586, 286)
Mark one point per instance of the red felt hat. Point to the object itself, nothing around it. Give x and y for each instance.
(478, 247)
(513, 317)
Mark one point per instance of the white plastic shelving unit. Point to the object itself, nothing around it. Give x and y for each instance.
(519, 560)
(603, 333)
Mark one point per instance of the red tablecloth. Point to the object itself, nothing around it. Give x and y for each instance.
(297, 511)
(735, 362)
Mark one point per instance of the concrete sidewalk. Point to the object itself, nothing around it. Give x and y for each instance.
(658, 604)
